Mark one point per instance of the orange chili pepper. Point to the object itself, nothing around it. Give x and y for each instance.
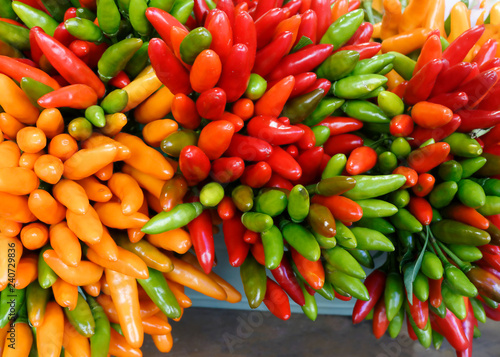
(114, 123)
(157, 130)
(435, 17)
(65, 243)
(146, 181)
(111, 215)
(393, 79)
(126, 188)
(10, 154)
(185, 112)
(72, 196)
(119, 346)
(85, 273)
(157, 106)
(28, 160)
(97, 139)
(106, 248)
(51, 122)
(431, 50)
(178, 291)
(105, 173)
(31, 139)
(177, 35)
(9, 228)
(22, 338)
(27, 271)
(177, 240)
(135, 234)
(49, 335)
(74, 343)
(127, 263)
(187, 275)
(34, 235)
(1, 136)
(243, 108)
(87, 162)
(3, 333)
(45, 207)
(77, 96)
(126, 300)
(206, 71)
(95, 190)
(339, 8)
(66, 294)
(18, 180)
(467, 215)
(93, 289)
(145, 158)
(155, 325)
(153, 202)
(87, 227)
(163, 343)
(15, 102)
(406, 42)
(9, 125)
(13, 246)
(391, 18)
(292, 24)
(49, 168)
(15, 208)
(63, 146)
(414, 15)
(273, 101)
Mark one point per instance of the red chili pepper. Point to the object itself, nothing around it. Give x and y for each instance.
(286, 279)
(249, 148)
(200, 10)
(17, 70)
(490, 249)
(420, 86)
(227, 169)
(342, 297)
(168, 68)
(491, 259)
(226, 208)
(308, 26)
(362, 34)
(458, 49)
(493, 63)
(360, 160)
(304, 60)
(324, 162)
(324, 14)
(121, 80)
(273, 101)
(266, 24)
(468, 325)
(421, 209)
(419, 312)
(219, 26)
(452, 330)
(411, 331)
(95, 53)
(420, 135)
(380, 323)
(366, 50)
(428, 157)
(342, 144)
(435, 297)
(486, 53)
(256, 175)
(400, 89)
(478, 119)
(194, 164)
(341, 125)
(467, 215)
(283, 164)
(303, 82)
(375, 284)
(235, 72)
(62, 35)
(185, 112)
(410, 174)
(293, 6)
(227, 7)
(276, 300)
(424, 185)
(263, 7)
(430, 51)
(453, 101)
(342, 208)
(251, 237)
(163, 22)
(257, 250)
(312, 272)
(354, 5)
(321, 83)
(492, 100)
(273, 131)
(479, 86)
(211, 103)
(35, 50)
(310, 163)
(401, 125)
(451, 78)
(81, 49)
(76, 96)
(493, 314)
(200, 230)
(269, 56)
(237, 248)
(492, 137)
(308, 140)
(279, 182)
(73, 69)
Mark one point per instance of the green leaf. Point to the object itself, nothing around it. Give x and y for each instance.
(412, 271)
(303, 42)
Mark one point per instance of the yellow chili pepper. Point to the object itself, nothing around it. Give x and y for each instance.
(406, 42)
(414, 15)
(460, 20)
(435, 17)
(114, 124)
(392, 18)
(155, 107)
(140, 89)
(376, 30)
(495, 14)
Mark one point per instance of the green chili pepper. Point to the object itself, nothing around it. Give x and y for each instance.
(343, 28)
(95, 115)
(458, 281)
(347, 283)
(310, 308)
(253, 276)
(491, 206)
(492, 166)
(454, 302)
(396, 323)
(84, 29)
(341, 260)
(432, 266)
(471, 193)
(123, 5)
(467, 253)
(211, 194)
(243, 198)
(11, 301)
(138, 62)
(335, 166)
(374, 186)
(256, 87)
(364, 111)
(387, 162)
(257, 222)
(99, 341)
(165, 5)
(344, 236)
(374, 64)
(108, 16)
(450, 171)
(273, 247)
(34, 89)
(36, 300)
(400, 147)
(386, 69)
(299, 108)
(406, 239)
(115, 101)
(424, 335)
(377, 208)
(33, 17)
(462, 144)
(6, 9)
(442, 194)
(394, 295)
(403, 65)
(421, 287)
(490, 186)
(379, 224)
(472, 165)
(46, 276)
(115, 58)
(195, 42)
(490, 303)
(370, 239)
(298, 203)
(178, 217)
(338, 65)
(80, 128)
(137, 15)
(182, 9)
(156, 287)
(453, 232)
(436, 216)
(332, 186)
(325, 242)
(478, 310)
(56, 8)
(363, 257)
(81, 317)
(176, 141)
(16, 36)
(301, 240)
(85, 13)
(404, 220)
(321, 134)
(440, 310)
(354, 87)
(377, 127)
(390, 104)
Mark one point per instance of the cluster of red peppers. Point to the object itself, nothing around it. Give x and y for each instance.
(309, 143)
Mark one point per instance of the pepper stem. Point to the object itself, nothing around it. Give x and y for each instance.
(367, 6)
(461, 264)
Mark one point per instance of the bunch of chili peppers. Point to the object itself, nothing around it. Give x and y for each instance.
(283, 123)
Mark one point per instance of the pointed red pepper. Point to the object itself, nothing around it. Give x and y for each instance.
(237, 248)
(420, 86)
(458, 49)
(451, 78)
(276, 300)
(286, 279)
(375, 284)
(201, 232)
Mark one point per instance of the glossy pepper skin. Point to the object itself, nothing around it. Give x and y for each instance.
(156, 287)
(286, 279)
(375, 283)
(201, 233)
(253, 276)
(237, 248)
